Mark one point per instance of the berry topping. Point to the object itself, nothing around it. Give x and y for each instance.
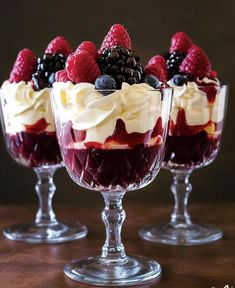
(157, 70)
(196, 63)
(152, 81)
(179, 80)
(61, 76)
(81, 67)
(47, 66)
(158, 59)
(213, 74)
(173, 61)
(122, 64)
(105, 82)
(24, 66)
(59, 45)
(180, 42)
(117, 36)
(89, 47)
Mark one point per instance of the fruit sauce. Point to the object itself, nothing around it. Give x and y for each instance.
(114, 169)
(34, 147)
(191, 146)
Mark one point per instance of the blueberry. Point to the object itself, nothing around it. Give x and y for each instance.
(151, 80)
(51, 79)
(179, 80)
(105, 82)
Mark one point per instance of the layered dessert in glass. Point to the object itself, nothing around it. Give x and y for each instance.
(111, 120)
(29, 125)
(30, 137)
(196, 124)
(194, 135)
(110, 142)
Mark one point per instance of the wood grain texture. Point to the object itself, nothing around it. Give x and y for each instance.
(41, 266)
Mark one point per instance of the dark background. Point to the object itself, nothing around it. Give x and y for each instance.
(151, 24)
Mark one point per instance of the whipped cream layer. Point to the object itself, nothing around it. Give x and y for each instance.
(138, 106)
(23, 106)
(198, 110)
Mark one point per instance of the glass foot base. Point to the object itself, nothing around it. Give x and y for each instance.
(181, 235)
(95, 271)
(53, 233)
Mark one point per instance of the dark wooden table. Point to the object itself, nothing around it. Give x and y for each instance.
(41, 266)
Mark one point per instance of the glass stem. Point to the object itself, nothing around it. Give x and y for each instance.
(45, 189)
(181, 189)
(113, 217)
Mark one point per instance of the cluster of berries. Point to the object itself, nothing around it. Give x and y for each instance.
(41, 71)
(186, 61)
(114, 63)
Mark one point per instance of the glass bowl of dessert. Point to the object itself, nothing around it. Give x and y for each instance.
(30, 137)
(193, 140)
(111, 121)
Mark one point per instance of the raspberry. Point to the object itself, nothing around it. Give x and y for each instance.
(180, 42)
(59, 45)
(81, 67)
(62, 76)
(89, 47)
(24, 66)
(213, 74)
(158, 60)
(196, 63)
(157, 71)
(117, 36)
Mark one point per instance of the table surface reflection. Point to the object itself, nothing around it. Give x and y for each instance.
(41, 266)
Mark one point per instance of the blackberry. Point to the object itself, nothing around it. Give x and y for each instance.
(47, 66)
(173, 61)
(122, 64)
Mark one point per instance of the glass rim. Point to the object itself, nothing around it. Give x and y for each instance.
(114, 90)
(204, 86)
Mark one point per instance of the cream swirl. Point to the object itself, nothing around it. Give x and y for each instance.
(138, 106)
(24, 106)
(198, 111)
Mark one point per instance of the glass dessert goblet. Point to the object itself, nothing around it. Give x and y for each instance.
(30, 138)
(193, 142)
(112, 142)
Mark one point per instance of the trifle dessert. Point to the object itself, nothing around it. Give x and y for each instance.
(29, 124)
(110, 113)
(30, 136)
(111, 117)
(198, 109)
(194, 136)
